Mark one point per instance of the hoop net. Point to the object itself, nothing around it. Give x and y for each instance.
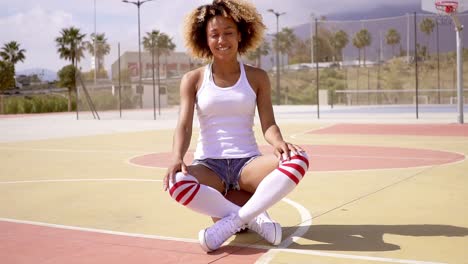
(448, 7)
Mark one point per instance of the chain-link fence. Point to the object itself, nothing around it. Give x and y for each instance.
(125, 91)
(400, 60)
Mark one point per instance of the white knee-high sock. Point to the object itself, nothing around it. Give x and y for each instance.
(275, 186)
(200, 198)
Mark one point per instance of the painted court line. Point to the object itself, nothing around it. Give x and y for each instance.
(348, 256)
(79, 180)
(269, 255)
(306, 221)
(74, 150)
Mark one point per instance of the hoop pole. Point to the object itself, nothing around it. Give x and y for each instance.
(416, 65)
(459, 72)
(456, 21)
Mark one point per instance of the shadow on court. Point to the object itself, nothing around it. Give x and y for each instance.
(367, 237)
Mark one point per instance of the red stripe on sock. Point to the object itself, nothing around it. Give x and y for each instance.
(290, 175)
(193, 195)
(295, 166)
(184, 192)
(178, 184)
(300, 157)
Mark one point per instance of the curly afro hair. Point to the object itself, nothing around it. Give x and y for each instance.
(248, 20)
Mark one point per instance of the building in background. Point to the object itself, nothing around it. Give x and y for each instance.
(173, 65)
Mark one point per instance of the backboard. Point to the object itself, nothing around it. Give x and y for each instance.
(430, 6)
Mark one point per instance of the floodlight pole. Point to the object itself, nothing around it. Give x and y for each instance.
(138, 4)
(278, 97)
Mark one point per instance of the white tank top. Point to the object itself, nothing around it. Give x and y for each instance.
(226, 118)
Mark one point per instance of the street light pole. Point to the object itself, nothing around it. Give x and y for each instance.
(95, 44)
(277, 14)
(140, 86)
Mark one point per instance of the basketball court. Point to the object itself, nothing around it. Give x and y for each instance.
(382, 187)
(90, 191)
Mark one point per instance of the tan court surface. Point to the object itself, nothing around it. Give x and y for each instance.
(410, 214)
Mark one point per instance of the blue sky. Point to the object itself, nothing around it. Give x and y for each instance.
(36, 23)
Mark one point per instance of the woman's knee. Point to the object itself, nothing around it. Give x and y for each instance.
(296, 167)
(304, 157)
(183, 188)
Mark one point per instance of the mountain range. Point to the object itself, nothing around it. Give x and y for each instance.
(381, 11)
(378, 21)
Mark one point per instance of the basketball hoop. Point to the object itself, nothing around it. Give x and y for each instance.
(448, 7)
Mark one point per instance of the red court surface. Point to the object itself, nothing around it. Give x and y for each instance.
(452, 130)
(40, 244)
(342, 157)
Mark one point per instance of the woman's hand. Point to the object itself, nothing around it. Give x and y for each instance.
(283, 150)
(175, 167)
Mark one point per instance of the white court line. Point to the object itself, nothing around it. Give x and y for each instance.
(447, 162)
(80, 180)
(268, 255)
(348, 256)
(306, 221)
(74, 150)
(297, 136)
(143, 153)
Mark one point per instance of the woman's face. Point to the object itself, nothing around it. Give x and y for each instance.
(223, 37)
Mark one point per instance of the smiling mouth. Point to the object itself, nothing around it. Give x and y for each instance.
(223, 48)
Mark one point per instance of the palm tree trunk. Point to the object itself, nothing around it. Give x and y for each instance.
(70, 99)
(73, 87)
(364, 62)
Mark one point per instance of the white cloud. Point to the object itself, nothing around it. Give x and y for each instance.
(35, 30)
(36, 24)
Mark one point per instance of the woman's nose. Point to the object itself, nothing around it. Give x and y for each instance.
(221, 39)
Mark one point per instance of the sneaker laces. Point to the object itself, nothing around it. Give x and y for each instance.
(223, 229)
(266, 228)
(256, 224)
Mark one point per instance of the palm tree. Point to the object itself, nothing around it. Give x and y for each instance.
(256, 55)
(71, 47)
(392, 38)
(102, 49)
(427, 27)
(358, 44)
(166, 46)
(363, 39)
(150, 43)
(11, 53)
(340, 41)
(161, 43)
(158, 43)
(324, 50)
(286, 38)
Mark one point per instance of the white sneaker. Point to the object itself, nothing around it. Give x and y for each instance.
(213, 237)
(266, 228)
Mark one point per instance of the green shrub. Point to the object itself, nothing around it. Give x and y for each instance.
(38, 104)
(28, 106)
(11, 105)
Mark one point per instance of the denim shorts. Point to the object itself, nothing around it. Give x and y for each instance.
(228, 170)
